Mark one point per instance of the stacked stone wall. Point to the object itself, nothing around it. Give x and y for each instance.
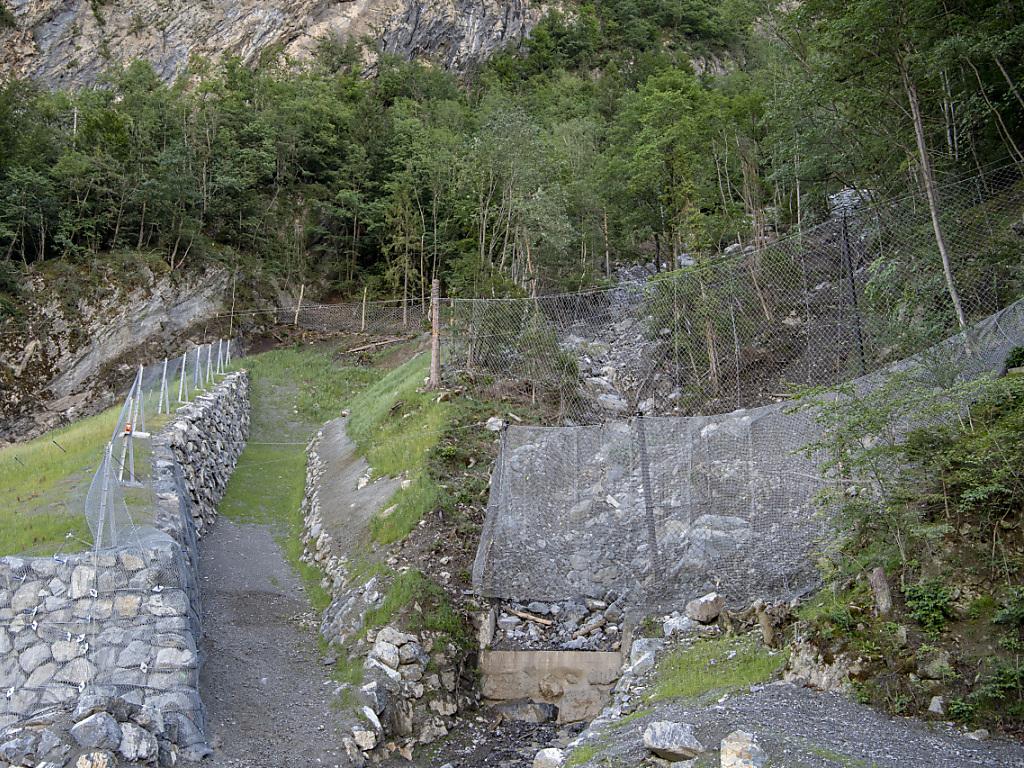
(110, 638)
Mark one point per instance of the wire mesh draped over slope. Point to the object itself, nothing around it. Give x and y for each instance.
(667, 508)
(837, 301)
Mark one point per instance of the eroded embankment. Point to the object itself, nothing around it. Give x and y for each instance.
(406, 685)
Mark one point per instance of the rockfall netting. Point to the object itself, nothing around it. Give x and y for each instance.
(860, 290)
(667, 508)
(374, 317)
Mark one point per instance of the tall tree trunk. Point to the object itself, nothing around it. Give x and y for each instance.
(1009, 81)
(930, 192)
(607, 250)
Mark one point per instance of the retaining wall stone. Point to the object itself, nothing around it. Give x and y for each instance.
(117, 631)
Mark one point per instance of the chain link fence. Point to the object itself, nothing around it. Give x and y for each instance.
(372, 317)
(82, 621)
(835, 301)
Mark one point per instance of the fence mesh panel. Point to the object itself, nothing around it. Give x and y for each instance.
(817, 308)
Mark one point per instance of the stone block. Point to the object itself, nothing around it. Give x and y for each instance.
(99, 731)
(740, 750)
(672, 741)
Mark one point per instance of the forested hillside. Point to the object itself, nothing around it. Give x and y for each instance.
(624, 130)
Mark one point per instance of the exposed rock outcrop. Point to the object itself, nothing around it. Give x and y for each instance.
(62, 361)
(71, 43)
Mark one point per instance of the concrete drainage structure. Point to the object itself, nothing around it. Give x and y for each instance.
(100, 650)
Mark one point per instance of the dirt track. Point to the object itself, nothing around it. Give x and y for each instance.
(268, 696)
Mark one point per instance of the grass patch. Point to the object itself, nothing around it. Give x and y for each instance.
(424, 606)
(43, 484)
(839, 758)
(721, 664)
(292, 392)
(396, 427)
(410, 504)
(583, 754)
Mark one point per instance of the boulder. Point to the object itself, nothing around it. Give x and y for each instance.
(549, 758)
(672, 741)
(137, 743)
(96, 759)
(99, 731)
(705, 609)
(679, 625)
(740, 750)
(935, 665)
(386, 653)
(17, 750)
(393, 636)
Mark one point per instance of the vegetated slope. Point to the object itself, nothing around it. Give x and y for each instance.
(939, 630)
(71, 44)
(44, 482)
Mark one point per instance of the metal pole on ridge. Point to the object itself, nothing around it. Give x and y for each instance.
(163, 392)
(183, 380)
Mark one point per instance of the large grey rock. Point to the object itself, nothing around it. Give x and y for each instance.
(386, 653)
(395, 637)
(16, 750)
(99, 731)
(705, 609)
(33, 656)
(551, 757)
(137, 743)
(672, 741)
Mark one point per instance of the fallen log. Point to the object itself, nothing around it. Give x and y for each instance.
(530, 617)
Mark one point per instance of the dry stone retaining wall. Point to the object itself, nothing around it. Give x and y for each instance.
(99, 650)
(412, 686)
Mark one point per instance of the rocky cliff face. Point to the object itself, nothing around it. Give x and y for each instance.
(68, 43)
(64, 362)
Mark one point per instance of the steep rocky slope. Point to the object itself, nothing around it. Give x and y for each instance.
(65, 359)
(70, 42)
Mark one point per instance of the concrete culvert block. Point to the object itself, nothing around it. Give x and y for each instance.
(99, 731)
(549, 758)
(705, 609)
(741, 750)
(672, 741)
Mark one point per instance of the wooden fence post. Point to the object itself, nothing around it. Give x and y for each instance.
(435, 334)
(298, 306)
(362, 325)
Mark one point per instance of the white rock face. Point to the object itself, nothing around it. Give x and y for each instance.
(705, 609)
(740, 750)
(68, 42)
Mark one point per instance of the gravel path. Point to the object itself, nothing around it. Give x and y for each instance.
(800, 728)
(268, 697)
